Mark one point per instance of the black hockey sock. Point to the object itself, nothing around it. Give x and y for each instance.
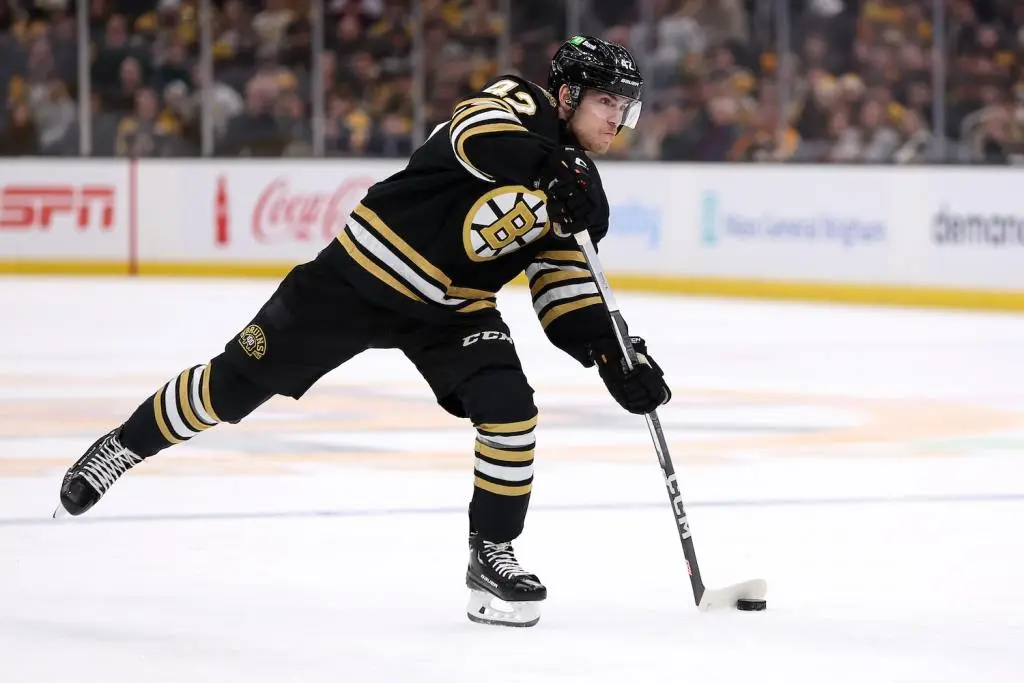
(197, 399)
(504, 478)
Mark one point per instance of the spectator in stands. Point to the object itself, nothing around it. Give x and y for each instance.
(294, 124)
(143, 133)
(47, 97)
(255, 132)
(113, 48)
(19, 136)
(272, 22)
(64, 46)
(121, 98)
(236, 40)
(917, 144)
(170, 63)
(181, 119)
(343, 117)
(224, 100)
(854, 85)
(872, 140)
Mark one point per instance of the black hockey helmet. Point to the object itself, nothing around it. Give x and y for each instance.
(586, 62)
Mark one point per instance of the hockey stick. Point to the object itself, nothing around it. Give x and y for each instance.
(748, 595)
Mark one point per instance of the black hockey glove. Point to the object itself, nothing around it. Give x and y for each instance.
(567, 181)
(640, 390)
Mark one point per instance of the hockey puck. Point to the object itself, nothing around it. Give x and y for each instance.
(749, 605)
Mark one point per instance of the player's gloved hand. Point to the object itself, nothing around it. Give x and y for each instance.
(639, 390)
(568, 182)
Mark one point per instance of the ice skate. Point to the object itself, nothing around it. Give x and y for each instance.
(93, 474)
(501, 592)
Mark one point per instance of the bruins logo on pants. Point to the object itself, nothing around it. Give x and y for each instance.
(504, 220)
(253, 341)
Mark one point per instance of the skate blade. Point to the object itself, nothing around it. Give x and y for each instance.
(61, 512)
(485, 608)
(726, 598)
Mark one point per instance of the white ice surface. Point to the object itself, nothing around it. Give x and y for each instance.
(892, 552)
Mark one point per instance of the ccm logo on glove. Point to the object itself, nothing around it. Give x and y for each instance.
(639, 390)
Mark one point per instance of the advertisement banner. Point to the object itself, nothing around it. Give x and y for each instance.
(642, 204)
(54, 210)
(972, 229)
(792, 223)
(277, 212)
(685, 227)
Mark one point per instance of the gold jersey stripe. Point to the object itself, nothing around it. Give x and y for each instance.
(508, 427)
(477, 306)
(161, 423)
(473, 101)
(369, 266)
(477, 105)
(554, 276)
(562, 309)
(207, 404)
(381, 228)
(564, 255)
(501, 454)
(501, 489)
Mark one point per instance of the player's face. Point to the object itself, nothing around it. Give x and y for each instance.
(597, 119)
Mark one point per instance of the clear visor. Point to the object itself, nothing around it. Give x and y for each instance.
(618, 109)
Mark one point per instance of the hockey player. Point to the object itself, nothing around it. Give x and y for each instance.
(496, 190)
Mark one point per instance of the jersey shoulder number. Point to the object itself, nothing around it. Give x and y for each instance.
(524, 97)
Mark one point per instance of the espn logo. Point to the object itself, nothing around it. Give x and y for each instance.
(27, 207)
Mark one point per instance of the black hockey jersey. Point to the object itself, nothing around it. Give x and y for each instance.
(465, 217)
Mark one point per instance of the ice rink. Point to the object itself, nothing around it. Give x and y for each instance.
(866, 462)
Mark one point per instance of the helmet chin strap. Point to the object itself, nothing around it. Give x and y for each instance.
(572, 102)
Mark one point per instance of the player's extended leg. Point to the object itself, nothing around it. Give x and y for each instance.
(313, 323)
(197, 399)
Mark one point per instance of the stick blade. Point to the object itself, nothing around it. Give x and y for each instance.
(726, 598)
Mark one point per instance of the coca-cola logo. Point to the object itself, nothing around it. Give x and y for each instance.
(282, 213)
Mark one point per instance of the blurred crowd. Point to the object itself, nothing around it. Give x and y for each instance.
(842, 81)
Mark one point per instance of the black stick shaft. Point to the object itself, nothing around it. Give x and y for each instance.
(653, 423)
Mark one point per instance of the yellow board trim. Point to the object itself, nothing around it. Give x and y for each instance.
(744, 288)
(826, 292)
(214, 269)
(500, 489)
(63, 268)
